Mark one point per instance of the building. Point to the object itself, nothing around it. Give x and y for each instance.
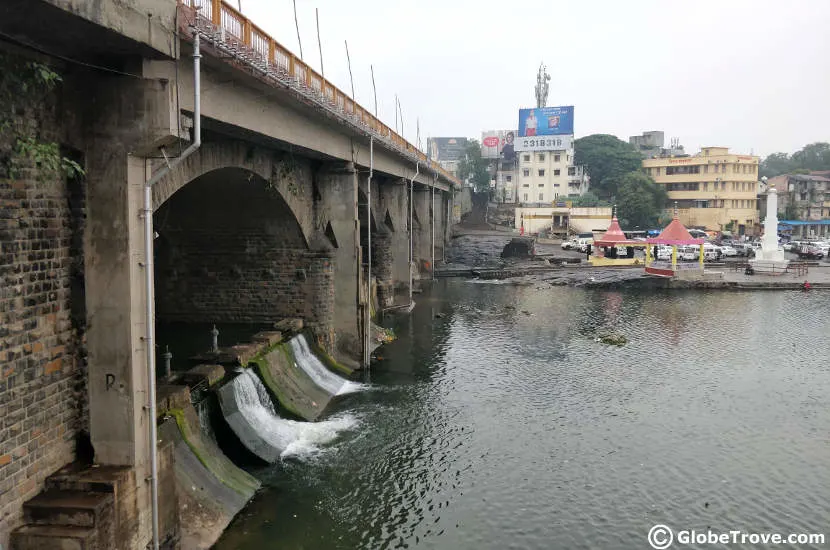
(543, 176)
(652, 144)
(563, 219)
(497, 148)
(714, 190)
(803, 203)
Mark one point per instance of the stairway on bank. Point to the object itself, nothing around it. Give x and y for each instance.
(76, 510)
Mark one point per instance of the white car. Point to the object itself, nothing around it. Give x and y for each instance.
(728, 252)
(570, 244)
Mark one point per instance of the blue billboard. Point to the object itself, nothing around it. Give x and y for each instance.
(547, 121)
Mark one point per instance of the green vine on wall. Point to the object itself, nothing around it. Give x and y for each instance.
(24, 85)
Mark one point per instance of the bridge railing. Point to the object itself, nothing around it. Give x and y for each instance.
(228, 29)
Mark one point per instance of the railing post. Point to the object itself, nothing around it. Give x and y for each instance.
(272, 58)
(246, 32)
(216, 12)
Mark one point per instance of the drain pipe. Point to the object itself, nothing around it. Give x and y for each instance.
(432, 216)
(368, 316)
(149, 275)
(412, 227)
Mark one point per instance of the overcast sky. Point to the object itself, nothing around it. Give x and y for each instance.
(752, 75)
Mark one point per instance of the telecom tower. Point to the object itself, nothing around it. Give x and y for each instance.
(542, 79)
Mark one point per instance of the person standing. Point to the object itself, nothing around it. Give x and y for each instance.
(530, 124)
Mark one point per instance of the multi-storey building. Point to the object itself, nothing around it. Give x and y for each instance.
(543, 176)
(714, 189)
(803, 202)
(652, 144)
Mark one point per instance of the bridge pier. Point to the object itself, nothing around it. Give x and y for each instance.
(122, 121)
(336, 206)
(392, 206)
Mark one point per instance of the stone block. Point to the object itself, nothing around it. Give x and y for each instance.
(268, 337)
(171, 396)
(210, 373)
(289, 325)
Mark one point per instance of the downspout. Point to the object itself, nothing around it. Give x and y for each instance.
(412, 227)
(149, 276)
(368, 323)
(432, 236)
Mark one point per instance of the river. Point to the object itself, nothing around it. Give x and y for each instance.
(496, 420)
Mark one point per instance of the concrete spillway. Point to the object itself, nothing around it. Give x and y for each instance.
(249, 411)
(317, 371)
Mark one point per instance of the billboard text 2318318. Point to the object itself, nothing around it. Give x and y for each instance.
(546, 121)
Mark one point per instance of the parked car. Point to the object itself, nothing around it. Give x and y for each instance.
(688, 253)
(728, 251)
(809, 251)
(570, 244)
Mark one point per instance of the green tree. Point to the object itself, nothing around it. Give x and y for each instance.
(640, 200)
(815, 156)
(588, 199)
(775, 165)
(474, 168)
(607, 159)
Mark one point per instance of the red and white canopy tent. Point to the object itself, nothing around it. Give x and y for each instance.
(675, 234)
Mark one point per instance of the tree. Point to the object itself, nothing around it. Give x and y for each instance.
(815, 156)
(588, 199)
(474, 168)
(775, 165)
(640, 200)
(607, 159)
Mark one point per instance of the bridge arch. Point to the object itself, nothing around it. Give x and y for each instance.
(283, 174)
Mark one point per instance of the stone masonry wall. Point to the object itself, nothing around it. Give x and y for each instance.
(42, 391)
(230, 251)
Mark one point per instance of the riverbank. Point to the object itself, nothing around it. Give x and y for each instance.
(476, 254)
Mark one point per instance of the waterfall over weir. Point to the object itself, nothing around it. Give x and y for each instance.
(317, 371)
(251, 414)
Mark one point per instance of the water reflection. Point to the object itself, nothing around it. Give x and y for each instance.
(502, 423)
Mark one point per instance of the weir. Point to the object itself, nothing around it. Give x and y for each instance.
(314, 368)
(251, 414)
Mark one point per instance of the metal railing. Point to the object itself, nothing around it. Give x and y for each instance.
(227, 30)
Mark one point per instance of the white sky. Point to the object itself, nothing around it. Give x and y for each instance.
(747, 74)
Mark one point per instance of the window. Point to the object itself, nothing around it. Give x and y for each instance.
(541, 172)
(572, 171)
(509, 178)
(556, 172)
(527, 158)
(525, 197)
(658, 170)
(705, 186)
(541, 157)
(556, 185)
(706, 169)
(541, 185)
(556, 158)
(526, 185)
(526, 172)
(541, 197)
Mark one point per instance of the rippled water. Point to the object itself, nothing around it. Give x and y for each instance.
(504, 424)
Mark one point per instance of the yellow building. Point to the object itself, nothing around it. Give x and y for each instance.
(712, 188)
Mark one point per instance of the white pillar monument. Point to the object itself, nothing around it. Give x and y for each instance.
(769, 257)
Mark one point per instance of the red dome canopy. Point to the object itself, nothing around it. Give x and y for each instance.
(675, 233)
(614, 235)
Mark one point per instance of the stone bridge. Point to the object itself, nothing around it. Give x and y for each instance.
(269, 218)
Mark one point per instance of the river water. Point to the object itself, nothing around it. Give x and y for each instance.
(497, 421)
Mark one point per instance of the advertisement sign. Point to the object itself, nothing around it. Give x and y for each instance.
(545, 143)
(547, 121)
(447, 149)
(498, 144)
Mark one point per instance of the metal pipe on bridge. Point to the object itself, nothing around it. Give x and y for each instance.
(149, 276)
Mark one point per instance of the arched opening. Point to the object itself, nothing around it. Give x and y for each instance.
(229, 251)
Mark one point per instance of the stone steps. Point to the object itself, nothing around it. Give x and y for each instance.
(54, 537)
(76, 511)
(69, 508)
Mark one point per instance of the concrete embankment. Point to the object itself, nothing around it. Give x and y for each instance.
(210, 488)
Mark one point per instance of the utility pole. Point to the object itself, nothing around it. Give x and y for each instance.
(296, 24)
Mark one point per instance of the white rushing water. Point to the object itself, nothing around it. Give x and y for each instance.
(317, 371)
(293, 438)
